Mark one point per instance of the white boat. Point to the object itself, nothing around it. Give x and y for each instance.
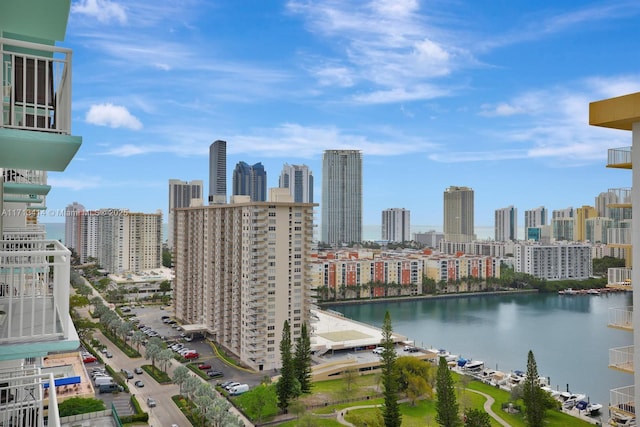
(474, 365)
(593, 408)
(593, 292)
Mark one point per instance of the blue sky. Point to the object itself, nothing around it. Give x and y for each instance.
(492, 95)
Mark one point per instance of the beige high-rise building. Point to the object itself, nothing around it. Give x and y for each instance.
(242, 269)
(458, 214)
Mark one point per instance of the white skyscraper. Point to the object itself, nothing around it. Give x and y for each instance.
(396, 225)
(72, 225)
(536, 217)
(299, 180)
(506, 224)
(181, 194)
(341, 196)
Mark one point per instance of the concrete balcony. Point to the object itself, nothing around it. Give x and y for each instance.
(619, 158)
(621, 318)
(619, 237)
(35, 124)
(34, 299)
(621, 196)
(30, 232)
(23, 394)
(621, 359)
(622, 400)
(619, 278)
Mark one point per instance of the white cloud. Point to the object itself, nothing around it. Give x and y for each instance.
(103, 10)
(114, 116)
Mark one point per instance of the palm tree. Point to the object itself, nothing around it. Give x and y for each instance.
(180, 375)
(164, 357)
(153, 350)
(137, 338)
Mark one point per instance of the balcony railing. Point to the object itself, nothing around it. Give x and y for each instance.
(34, 291)
(619, 236)
(622, 400)
(619, 157)
(621, 197)
(619, 278)
(36, 86)
(621, 358)
(22, 398)
(621, 318)
(30, 232)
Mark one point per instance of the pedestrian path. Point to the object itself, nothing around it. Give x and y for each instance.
(487, 407)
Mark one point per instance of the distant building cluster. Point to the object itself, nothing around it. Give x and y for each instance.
(121, 241)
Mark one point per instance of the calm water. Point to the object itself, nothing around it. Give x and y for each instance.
(567, 334)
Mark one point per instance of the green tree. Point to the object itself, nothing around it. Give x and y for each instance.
(302, 360)
(165, 286)
(532, 395)
(180, 375)
(259, 399)
(391, 408)
(166, 258)
(446, 405)
(287, 386)
(477, 418)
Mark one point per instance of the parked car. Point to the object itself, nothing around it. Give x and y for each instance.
(193, 355)
(138, 370)
(139, 384)
(239, 389)
(213, 374)
(204, 366)
(108, 354)
(225, 383)
(110, 388)
(151, 402)
(231, 384)
(378, 350)
(89, 359)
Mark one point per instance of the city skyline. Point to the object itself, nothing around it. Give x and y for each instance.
(469, 94)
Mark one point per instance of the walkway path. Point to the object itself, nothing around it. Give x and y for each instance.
(487, 408)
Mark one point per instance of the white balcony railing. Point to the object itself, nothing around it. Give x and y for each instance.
(621, 317)
(34, 291)
(621, 196)
(36, 86)
(619, 156)
(23, 396)
(25, 176)
(621, 358)
(622, 400)
(619, 236)
(30, 232)
(619, 277)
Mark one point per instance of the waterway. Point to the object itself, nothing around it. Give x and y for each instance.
(568, 335)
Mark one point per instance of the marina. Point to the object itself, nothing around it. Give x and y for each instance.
(500, 330)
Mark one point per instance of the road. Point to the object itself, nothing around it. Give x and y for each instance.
(166, 412)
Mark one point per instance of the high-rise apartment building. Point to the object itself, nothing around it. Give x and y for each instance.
(396, 225)
(622, 113)
(581, 216)
(129, 241)
(341, 196)
(430, 238)
(181, 195)
(72, 225)
(299, 180)
(506, 224)
(250, 180)
(35, 137)
(537, 217)
(458, 214)
(218, 173)
(241, 270)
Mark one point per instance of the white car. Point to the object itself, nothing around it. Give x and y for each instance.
(378, 350)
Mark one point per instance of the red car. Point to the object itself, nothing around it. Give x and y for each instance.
(89, 359)
(191, 356)
(204, 366)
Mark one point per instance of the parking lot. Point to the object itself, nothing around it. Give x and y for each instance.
(151, 316)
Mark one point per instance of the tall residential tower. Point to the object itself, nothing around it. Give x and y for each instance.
(341, 196)
(250, 180)
(218, 173)
(458, 214)
(299, 180)
(396, 225)
(506, 224)
(181, 195)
